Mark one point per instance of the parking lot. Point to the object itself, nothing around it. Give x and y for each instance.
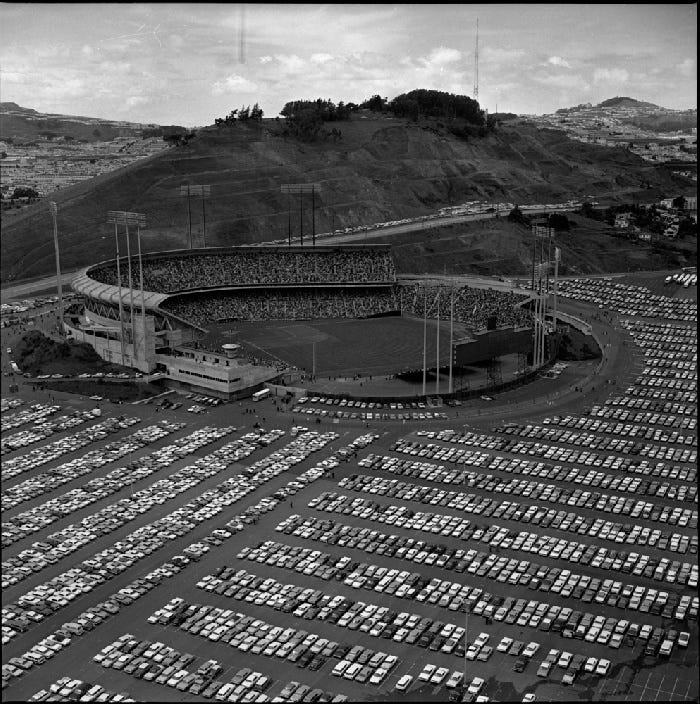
(341, 557)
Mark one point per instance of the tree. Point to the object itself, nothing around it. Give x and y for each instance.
(376, 103)
(25, 192)
(679, 203)
(558, 221)
(256, 113)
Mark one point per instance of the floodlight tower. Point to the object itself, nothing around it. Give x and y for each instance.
(54, 212)
(126, 218)
(196, 190)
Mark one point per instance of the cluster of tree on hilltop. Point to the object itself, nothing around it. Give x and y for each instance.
(244, 114)
(304, 118)
(429, 103)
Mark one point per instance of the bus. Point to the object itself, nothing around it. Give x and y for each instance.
(260, 395)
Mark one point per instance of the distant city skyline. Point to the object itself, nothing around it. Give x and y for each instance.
(188, 64)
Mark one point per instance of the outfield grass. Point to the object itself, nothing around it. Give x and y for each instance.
(376, 346)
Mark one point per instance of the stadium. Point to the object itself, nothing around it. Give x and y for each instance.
(227, 320)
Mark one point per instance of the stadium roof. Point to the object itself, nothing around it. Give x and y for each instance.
(86, 286)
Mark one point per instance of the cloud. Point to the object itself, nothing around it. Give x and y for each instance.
(687, 67)
(321, 58)
(234, 84)
(610, 75)
(135, 100)
(442, 55)
(558, 61)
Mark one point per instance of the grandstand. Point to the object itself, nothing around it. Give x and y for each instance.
(167, 326)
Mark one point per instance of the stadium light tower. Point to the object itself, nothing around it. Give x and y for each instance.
(196, 190)
(301, 188)
(54, 212)
(126, 218)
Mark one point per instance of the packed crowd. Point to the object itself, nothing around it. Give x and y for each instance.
(253, 267)
(472, 306)
(290, 305)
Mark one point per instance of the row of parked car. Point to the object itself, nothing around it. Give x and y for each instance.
(27, 522)
(47, 481)
(639, 424)
(597, 441)
(633, 406)
(36, 413)
(495, 536)
(533, 449)
(74, 690)
(47, 453)
(45, 429)
(160, 663)
(7, 404)
(223, 495)
(454, 596)
(433, 450)
(486, 564)
(363, 414)
(306, 650)
(628, 300)
(527, 513)
(551, 493)
(115, 559)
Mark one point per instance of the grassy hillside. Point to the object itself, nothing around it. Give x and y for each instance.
(499, 247)
(381, 169)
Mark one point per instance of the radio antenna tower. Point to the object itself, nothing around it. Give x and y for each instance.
(476, 64)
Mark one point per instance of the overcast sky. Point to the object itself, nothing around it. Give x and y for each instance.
(189, 63)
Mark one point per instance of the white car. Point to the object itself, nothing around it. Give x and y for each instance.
(439, 675)
(603, 667)
(427, 672)
(404, 683)
(476, 685)
(455, 679)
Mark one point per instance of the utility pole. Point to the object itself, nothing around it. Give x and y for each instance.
(54, 212)
(476, 64)
(425, 337)
(452, 315)
(437, 368)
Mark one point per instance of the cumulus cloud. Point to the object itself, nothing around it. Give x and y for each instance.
(610, 75)
(234, 84)
(558, 61)
(442, 55)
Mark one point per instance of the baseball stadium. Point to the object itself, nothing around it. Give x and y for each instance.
(227, 320)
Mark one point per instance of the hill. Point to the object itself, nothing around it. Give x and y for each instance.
(381, 169)
(624, 102)
(20, 124)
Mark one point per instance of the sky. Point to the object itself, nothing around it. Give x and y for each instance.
(186, 64)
